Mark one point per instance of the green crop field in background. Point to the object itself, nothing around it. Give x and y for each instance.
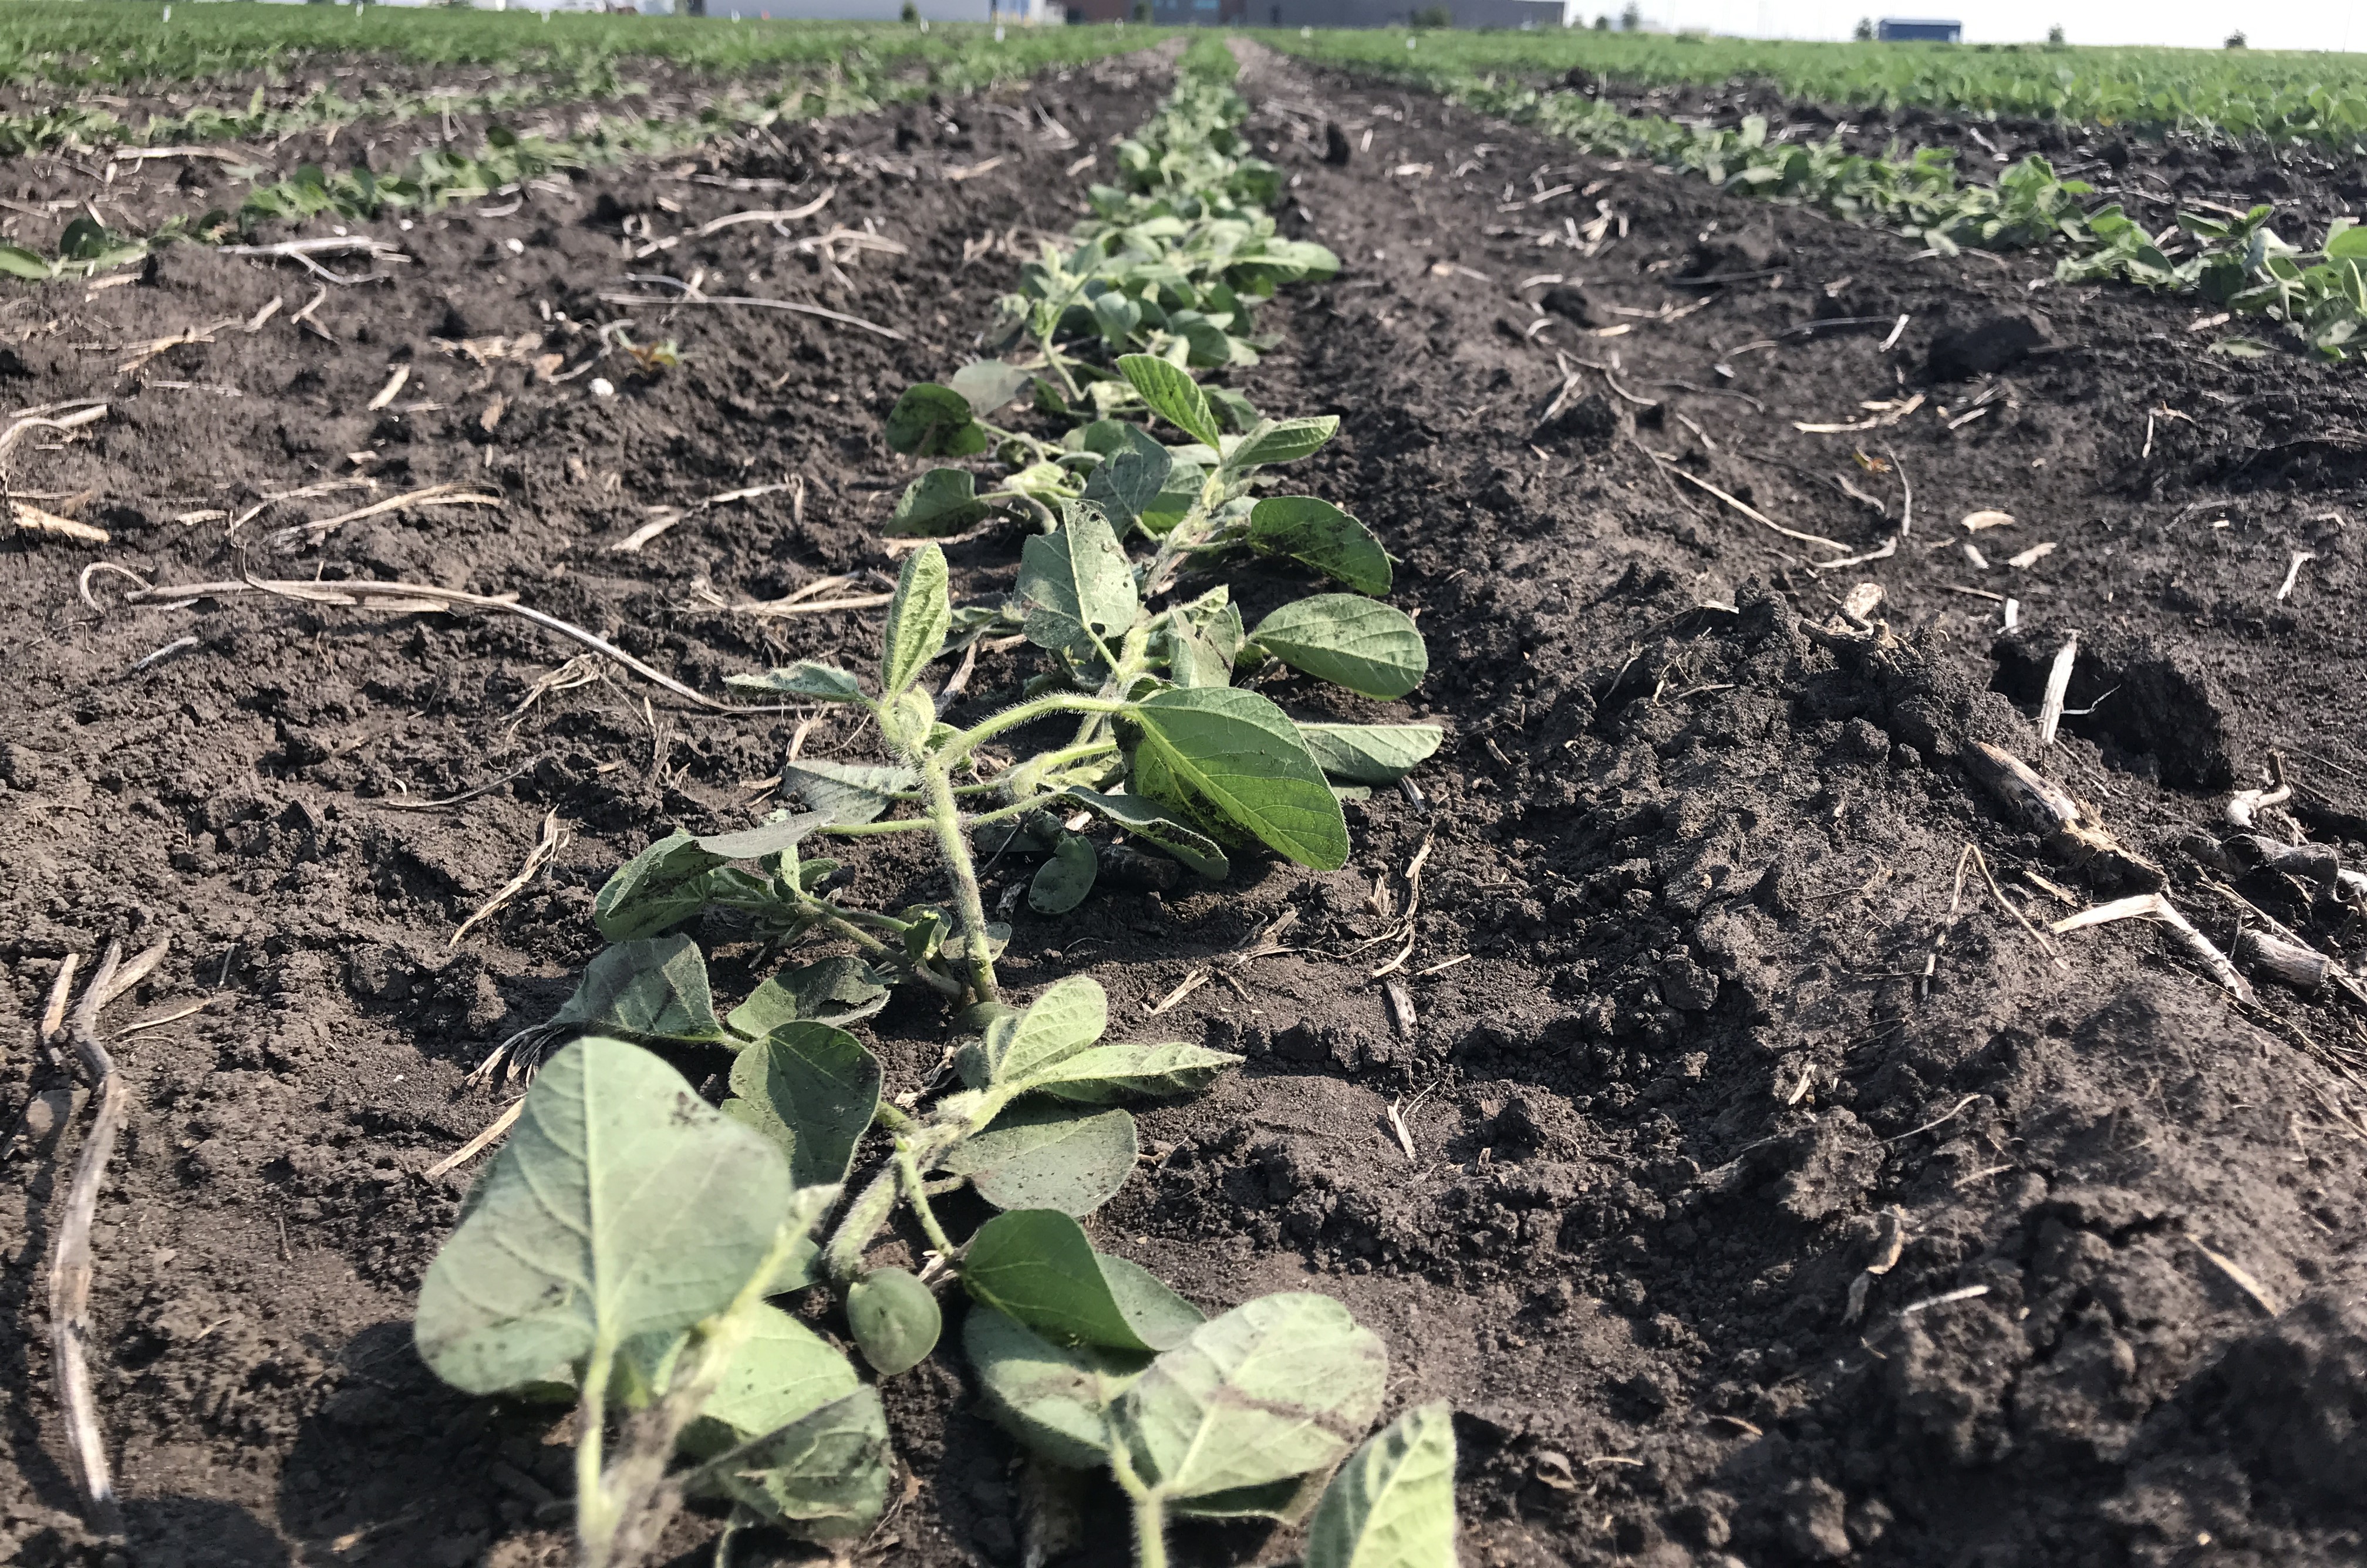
(118, 42)
(2320, 97)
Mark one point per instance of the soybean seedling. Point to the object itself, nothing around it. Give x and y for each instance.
(1163, 747)
(624, 1242)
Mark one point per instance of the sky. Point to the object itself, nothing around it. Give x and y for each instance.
(2190, 24)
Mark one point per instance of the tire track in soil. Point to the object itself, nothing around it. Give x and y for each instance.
(1699, 861)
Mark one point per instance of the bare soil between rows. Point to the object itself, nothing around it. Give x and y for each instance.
(1707, 1018)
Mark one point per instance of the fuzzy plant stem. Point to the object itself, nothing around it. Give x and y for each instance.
(843, 1257)
(1149, 1509)
(916, 1193)
(595, 1511)
(953, 841)
(838, 922)
(1060, 364)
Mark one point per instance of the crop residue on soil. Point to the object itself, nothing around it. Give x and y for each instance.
(1704, 1040)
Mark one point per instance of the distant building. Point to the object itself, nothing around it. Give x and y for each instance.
(1890, 29)
(1509, 13)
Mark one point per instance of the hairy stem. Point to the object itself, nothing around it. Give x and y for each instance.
(916, 1193)
(843, 1257)
(1149, 1509)
(595, 1511)
(1053, 357)
(953, 842)
(1186, 533)
(1026, 712)
(920, 824)
(1149, 1531)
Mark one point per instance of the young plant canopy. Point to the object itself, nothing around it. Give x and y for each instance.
(625, 1241)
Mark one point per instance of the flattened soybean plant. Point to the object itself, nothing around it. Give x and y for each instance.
(627, 1245)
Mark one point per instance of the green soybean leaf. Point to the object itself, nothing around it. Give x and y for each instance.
(847, 792)
(1284, 440)
(1076, 586)
(812, 1089)
(1236, 753)
(989, 385)
(1231, 407)
(933, 421)
(1371, 649)
(1054, 1398)
(655, 889)
(998, 938)
(1184, 479)
(1319, 535)
(895, 1319)
(621, 1205)
(1157, 1314)
(1065, 878)
(1278, 1387)
(1130, 477)
(1069, 1016)
(19, 262)
(1369, 754)
(1105, 1072)
(1392, 1504)
(1172, 394)
(839, 990)
(652, 989)
(918, 619)
(780, 831)
(782, 1372)
(1045, 1157)
(1202, 656)
(940, 503)
(803, 1266)
(1036, 1265)
(823, 1477)
(826, 683)
(1116, 316)
(2349, 243)
(1146, 820)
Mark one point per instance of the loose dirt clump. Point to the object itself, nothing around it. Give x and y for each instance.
(1734, 1148)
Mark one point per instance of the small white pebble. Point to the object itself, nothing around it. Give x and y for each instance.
(603, 387)
(518, 248)
(337, 229)
(402, 223)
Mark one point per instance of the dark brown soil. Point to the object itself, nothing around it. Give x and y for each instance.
(1732, 1010)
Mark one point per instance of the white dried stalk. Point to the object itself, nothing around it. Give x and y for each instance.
(2059, 686)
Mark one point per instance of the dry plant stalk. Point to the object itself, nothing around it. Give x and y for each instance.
(17, 430)
(2058, 688)
(428, 495)
(2153, 906)
(1755, 515)
(412, 597)
(31, 519)
(548, 845)
(2071, 828)
(71, 1267)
